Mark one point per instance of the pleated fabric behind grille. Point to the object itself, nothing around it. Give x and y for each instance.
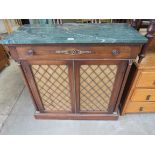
(96, 85)
(53, 85)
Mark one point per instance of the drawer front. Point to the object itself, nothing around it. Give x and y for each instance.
(77, 51)
(146, 95)
(146, 79)
(140, 107)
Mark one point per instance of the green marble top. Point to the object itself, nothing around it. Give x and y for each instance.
(74, 33)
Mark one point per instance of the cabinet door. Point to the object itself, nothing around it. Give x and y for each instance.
(51, 84)
(97, 85)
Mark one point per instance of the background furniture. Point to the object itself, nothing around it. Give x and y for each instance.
(9, 25)
(76, 71)
(149, 34)
(4, 61)
(141, 93)
(60, 21)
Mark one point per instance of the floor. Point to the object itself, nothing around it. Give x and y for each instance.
(16, 114)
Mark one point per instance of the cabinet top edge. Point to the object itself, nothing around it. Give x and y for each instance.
(76, 44)
(74, 33)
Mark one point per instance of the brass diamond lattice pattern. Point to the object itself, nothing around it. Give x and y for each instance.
(53, 85)
(96, 84)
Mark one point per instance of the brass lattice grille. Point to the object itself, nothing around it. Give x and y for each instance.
(53, 85)
(96, 84)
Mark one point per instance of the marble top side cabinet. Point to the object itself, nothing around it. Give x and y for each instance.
(75, 71)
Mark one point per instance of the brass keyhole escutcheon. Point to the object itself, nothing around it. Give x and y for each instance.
(30, 52)
(115, 52)
(148, 97)
(141, 108)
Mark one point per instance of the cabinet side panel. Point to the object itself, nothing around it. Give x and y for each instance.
(30, 79)
(128, 90)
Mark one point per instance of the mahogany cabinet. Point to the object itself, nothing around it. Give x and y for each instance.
(81, 78)
(75, 85)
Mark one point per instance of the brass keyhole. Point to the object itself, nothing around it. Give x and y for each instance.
(30, 52)
(148, 97)
(141, 108)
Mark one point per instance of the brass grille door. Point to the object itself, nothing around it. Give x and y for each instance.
(54, 84)
(96, 85)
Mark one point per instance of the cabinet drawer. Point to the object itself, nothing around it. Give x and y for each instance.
(77, 51)
(143, 95)
(140, 107)
(146, 79)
